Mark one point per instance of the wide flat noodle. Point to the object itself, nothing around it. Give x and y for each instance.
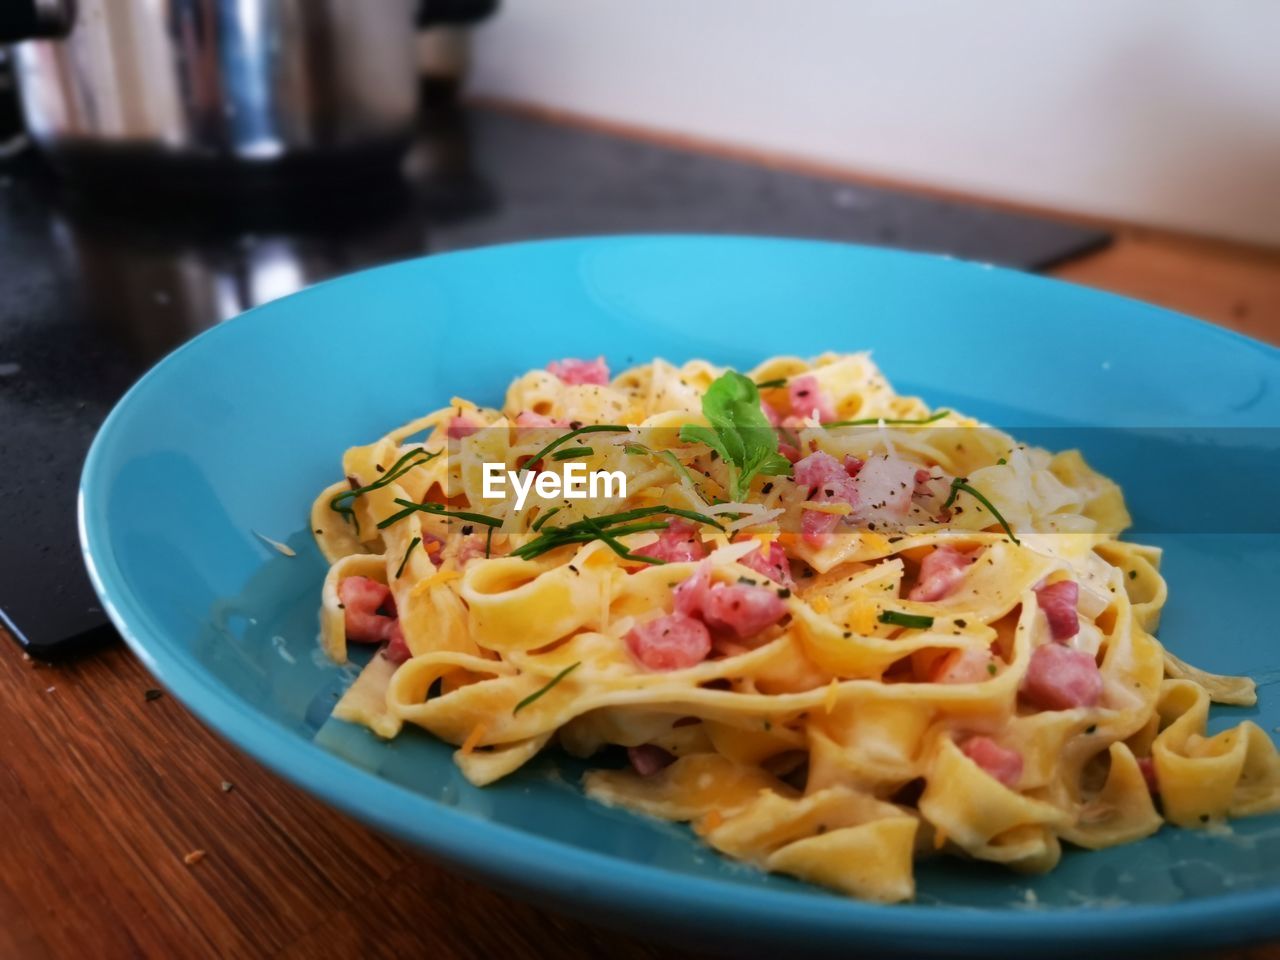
(1237, 691)
(871, 722)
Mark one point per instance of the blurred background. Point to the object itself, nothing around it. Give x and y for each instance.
(1163, 112)
(168, 164)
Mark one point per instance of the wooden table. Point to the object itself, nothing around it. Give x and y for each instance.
(127, 828)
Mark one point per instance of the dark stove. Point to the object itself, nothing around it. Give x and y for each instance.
(96, 284)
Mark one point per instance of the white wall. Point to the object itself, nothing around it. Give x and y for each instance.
(1156, 111)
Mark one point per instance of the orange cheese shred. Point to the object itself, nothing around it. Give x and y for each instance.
(473, 739)
(875, 541)
(442, 576)
(862, 616)
(710, 821)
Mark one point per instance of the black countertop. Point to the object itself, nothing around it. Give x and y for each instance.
(97, 284)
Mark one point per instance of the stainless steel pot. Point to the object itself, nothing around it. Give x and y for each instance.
(216, 83)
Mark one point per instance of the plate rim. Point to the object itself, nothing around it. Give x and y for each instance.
(535, 864)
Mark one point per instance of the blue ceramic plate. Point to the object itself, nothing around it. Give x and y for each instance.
(238, 430)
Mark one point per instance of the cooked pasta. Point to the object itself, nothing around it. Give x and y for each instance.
(833, 630)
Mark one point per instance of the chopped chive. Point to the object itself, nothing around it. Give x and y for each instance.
(638, 528)
(694, 515)
(958, 484)
(771, 384)
(607, 529)
(488, 544)
(538, 693)
(570, 452)
(899, 619)
(438, 510)
(398, 469)
(585, 536)
(873, 421)
(405, 559)
(610, 539)
(559, 441)
(537, 524)
(641, 512)
(1001, 462)
(341, 502)
(991, 669)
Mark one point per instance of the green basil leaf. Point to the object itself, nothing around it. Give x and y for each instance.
(739, 431)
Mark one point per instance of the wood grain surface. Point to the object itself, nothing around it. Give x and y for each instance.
(127, 829)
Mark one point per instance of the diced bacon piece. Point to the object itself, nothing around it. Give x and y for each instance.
(852, 464)
(809, 400)
(1148, 767)
(816, 527)
(742, 608)
(460, 427)
(1058, 601)
(818, 469)
(527, 418)
(924, 477)
(940, 573)
(576, 372)
(841, 490)
(397, 650)
(787, 450)
(671, 642)
(361, 599)
(963, 666)
(692, 593)
(647, 759)
(885, 486)
(770, 414)
(433, 547)
(825, 480)
(1059, 678)
(679, 543)
(1002, 763)
(772, 563)
(471, 547)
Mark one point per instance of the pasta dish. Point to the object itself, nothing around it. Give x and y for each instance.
(832, 629)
